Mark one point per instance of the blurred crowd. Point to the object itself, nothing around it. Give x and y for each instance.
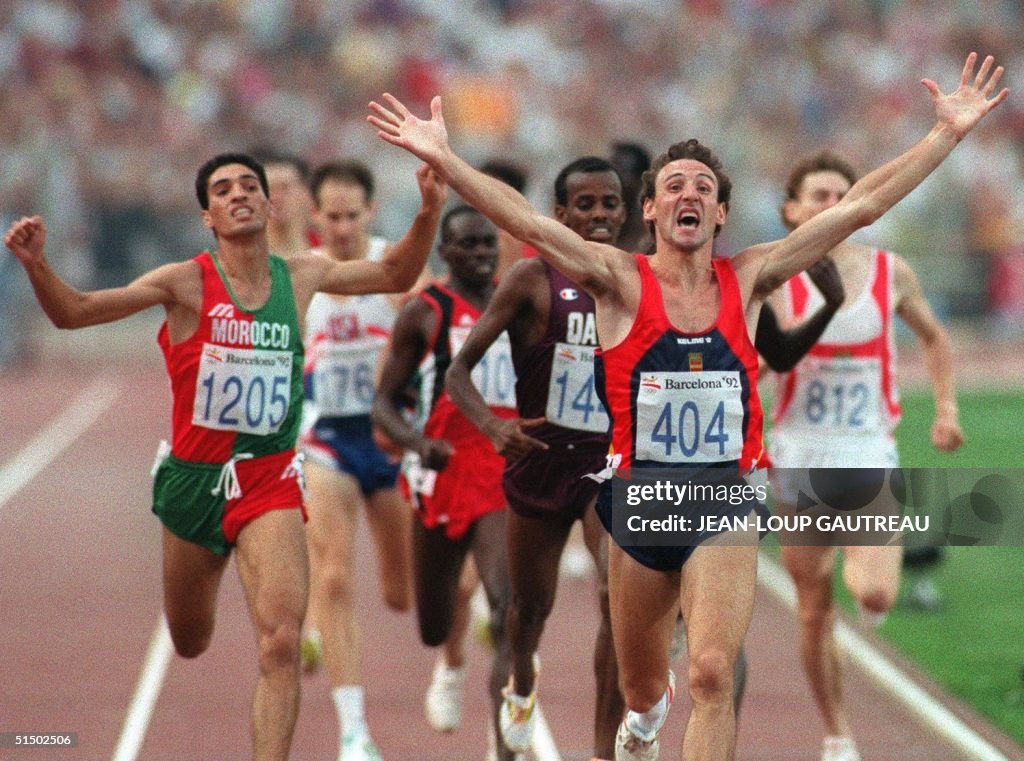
(107, 107)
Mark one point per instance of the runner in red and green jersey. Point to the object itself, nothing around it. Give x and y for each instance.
(234, 353)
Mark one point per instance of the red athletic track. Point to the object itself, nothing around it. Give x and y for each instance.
(80, 596)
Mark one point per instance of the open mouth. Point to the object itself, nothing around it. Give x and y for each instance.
(688, 219)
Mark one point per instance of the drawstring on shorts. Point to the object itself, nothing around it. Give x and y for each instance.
(296, 471)
(229, 477)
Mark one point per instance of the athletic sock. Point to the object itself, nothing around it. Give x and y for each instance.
(646, 725)
(871, 619)
(348, 701)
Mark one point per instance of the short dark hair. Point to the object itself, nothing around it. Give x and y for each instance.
(507, 172)
(582, 165)
(223, 159)
(268, 156)
(455, 211)
(686, 149)
(352, 172)
(824, 161)
(638, 157)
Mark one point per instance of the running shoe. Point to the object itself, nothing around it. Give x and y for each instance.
(517, 717)
(837, 748)
(480, 612)
(633, 745)
(442, 704)
(358, 746)
(924, 595)
(311, 651)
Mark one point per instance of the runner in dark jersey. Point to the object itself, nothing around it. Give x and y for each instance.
(232, 342)
(685, 201)
(450, 470)
(550, 323)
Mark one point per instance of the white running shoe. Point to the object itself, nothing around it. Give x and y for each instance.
(838, 748)
(517, 717)
(576, 562)
(358, 746)
(633, 745)
(442, 704)
(492, 746)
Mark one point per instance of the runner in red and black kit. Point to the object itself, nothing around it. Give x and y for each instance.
(691, 398)
(551, 323)
(685, 201)
(450, 469)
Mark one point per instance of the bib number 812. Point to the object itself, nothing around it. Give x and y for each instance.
(837, 405)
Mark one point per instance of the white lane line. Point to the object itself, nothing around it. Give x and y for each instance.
(49, 443)
(151, 681)
(888, 676)
(544, 748)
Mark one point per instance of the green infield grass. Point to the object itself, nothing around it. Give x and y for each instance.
(973, 644)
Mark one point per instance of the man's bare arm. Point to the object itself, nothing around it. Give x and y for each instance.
(914, 310)
(507, 435)
(592, 265)
(68, 307)
(782, 349)
(870, 197)
(408, 342)
(400, 267)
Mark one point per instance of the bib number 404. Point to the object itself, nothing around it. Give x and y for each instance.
(681, 426)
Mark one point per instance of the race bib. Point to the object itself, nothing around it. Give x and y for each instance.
(686, 417)
(493, 376)
(242, 390)
(343, 377)
(842, 395)
(572, 400)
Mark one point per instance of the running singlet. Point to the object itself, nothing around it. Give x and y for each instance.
(236, 382)
(344, 338)
(470, 484)
(845, 385)
(684, 399)
(555, 376)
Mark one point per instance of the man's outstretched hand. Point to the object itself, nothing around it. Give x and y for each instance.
(425, 139)
(963, 108)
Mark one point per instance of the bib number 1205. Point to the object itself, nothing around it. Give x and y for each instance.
(242, 390)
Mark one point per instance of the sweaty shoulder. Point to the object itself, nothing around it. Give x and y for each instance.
(905, 281)
(750, 267)
(306, 269)
(183, 282)
(525, 274)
